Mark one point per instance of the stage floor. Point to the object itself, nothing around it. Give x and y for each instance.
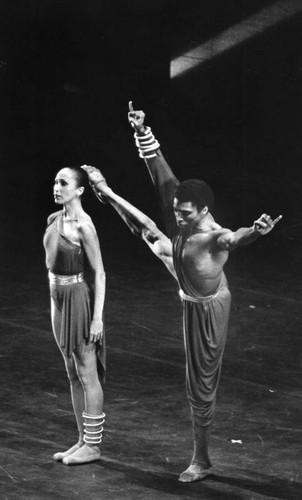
(256, 439)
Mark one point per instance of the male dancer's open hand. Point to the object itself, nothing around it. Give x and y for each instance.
(97, 181)
(94, 174)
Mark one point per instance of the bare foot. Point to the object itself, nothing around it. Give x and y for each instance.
(194, 472)
(83, 455)
(62, 454)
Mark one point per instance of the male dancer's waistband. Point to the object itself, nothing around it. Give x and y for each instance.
(203, 299)
(59, 279)
(197, 300)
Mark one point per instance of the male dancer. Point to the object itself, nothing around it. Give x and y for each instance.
(195, 253)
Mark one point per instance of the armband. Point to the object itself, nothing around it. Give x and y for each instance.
(146, 144)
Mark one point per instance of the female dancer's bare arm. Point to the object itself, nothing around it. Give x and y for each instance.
(92, 249)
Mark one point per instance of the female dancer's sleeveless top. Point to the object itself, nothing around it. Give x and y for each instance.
(63, 256)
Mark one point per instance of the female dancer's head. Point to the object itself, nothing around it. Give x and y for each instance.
(69, 185)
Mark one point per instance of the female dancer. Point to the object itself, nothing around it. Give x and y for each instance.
(72, 255)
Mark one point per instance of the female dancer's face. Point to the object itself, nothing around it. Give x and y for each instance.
(66, 187)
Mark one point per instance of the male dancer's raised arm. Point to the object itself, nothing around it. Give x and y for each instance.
(140, 224)
(163, 178)
(166, 183)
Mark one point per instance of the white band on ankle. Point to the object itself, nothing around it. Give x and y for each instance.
(92, 436)
(94, 417)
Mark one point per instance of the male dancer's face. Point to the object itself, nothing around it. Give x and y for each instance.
(186, 213)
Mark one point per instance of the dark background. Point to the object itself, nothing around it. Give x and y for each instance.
(68, 70)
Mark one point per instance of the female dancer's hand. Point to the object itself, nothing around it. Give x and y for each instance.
(96, 330)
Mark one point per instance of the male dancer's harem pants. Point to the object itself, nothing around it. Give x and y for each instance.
(205, 323)
(205, 319)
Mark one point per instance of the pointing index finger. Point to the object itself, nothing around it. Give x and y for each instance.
(130, 107)
(277, 220)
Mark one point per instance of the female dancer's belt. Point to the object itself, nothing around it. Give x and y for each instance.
(59, 279)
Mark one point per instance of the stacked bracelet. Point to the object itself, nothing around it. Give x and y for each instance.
(146, 144)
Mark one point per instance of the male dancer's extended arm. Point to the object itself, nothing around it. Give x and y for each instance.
(161, 174)
(140, 224)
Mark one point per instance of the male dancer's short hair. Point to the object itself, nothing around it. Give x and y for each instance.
(197, 192)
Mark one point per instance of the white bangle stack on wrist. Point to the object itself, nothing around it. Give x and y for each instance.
(147, 144)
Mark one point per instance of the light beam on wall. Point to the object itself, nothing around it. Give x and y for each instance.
(235, 35)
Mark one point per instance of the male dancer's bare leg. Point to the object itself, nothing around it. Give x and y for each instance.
(200, 466)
